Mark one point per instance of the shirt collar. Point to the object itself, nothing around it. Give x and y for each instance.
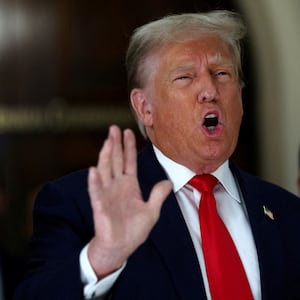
(180, 175)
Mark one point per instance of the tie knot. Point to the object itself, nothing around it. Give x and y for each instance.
(204, 183)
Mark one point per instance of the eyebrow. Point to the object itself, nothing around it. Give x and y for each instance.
(217, 59)
(183, 67)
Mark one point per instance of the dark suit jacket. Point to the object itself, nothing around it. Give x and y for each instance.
(165, 267)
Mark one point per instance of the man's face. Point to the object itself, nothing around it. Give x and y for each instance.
(191, 104)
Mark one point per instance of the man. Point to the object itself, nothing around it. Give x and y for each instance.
(122, 234)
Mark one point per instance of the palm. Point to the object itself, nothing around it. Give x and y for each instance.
(122, 218)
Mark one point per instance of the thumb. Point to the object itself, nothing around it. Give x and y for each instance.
(158, 195)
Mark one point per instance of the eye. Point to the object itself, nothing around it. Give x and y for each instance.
(221, 73)
(183, 77)
(183, 80)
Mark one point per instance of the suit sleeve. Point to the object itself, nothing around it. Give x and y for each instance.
(61, 230)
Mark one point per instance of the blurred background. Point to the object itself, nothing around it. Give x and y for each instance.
(63, 82)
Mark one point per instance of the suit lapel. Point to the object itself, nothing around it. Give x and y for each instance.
(170, 235)
(172, 239)
(266, 235)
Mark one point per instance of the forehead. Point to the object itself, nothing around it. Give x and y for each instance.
(176, 55)
(210, 49)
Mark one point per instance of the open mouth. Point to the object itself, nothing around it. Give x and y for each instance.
(211, 121)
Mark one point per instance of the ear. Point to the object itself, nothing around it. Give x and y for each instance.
(142, 106)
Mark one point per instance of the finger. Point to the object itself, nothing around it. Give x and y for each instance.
(94, 185)
(104, 161)
(157, 197)
(117, 151)
(130, 153)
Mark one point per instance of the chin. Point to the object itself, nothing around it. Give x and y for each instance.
(217, 157)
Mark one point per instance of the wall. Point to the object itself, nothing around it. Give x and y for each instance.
(275, 37)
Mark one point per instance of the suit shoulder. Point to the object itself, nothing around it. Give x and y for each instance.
(263, 192)
(68, 187)
(267, 186)
(250, 182)
(74, 181)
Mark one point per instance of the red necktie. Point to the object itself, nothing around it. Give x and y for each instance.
(225, 272)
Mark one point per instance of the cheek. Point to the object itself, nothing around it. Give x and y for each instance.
(169, 119)
(163, 117)
(240, 110)
(176, 112)
(236, 106)
(236, 120)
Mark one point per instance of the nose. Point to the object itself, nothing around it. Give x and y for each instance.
(207, 88)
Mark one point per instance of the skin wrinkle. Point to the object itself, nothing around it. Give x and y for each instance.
(216, 61)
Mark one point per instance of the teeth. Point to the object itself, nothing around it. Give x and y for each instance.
(211, 128)
(211, 121)
(211, 116)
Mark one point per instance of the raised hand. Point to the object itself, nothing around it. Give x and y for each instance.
(122, 219)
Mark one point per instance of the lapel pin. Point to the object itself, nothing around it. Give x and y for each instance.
(268, 213)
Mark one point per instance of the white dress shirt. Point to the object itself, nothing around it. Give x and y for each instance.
(230, 208)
